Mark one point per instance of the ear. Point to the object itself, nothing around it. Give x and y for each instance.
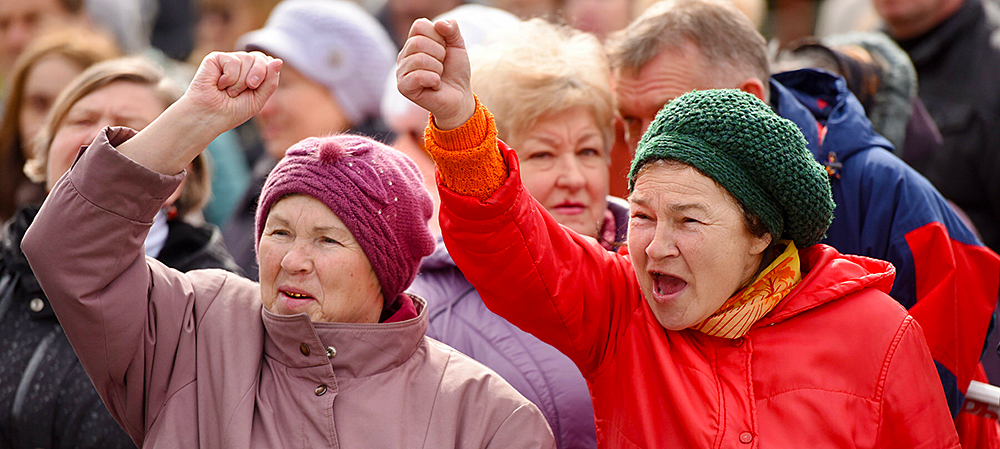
(754, 87)
(759, 244)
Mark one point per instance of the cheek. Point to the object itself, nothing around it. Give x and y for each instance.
(268, 261)
(597, 183)
(538, 182)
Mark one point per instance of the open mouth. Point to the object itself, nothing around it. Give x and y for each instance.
(666, 286)
(293, 300)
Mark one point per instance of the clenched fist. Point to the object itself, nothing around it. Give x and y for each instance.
(433, 72)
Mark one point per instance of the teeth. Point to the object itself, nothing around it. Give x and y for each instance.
(296, 295)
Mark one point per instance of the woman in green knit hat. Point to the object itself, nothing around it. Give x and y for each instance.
(723, 323)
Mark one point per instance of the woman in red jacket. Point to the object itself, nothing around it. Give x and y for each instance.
(723, 323)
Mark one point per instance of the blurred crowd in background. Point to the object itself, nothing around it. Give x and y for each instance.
(926, 72)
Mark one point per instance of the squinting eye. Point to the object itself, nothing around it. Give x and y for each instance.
(589, 152)
(540, 155)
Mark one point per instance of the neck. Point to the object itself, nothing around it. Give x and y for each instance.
(917, 26)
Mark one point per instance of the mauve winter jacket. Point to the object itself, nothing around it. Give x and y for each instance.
(193, 360)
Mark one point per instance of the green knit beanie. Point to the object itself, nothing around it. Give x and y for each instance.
(759, 157)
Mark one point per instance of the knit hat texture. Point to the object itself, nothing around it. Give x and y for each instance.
(335, 43)
(759, 157)
(375, 190)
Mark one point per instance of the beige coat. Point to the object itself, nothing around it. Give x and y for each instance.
(193, 360)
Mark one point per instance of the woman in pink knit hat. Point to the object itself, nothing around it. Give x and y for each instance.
(327, 351)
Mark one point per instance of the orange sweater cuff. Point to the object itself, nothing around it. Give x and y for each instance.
(468, 158)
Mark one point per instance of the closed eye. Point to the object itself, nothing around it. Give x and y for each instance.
(540, 155)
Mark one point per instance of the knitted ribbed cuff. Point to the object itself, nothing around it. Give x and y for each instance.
(468, 159)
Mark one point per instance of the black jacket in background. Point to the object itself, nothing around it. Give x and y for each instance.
(46, 398)
(958, 68)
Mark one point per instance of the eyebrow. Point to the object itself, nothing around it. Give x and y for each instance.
(674, 207)
(688, 206)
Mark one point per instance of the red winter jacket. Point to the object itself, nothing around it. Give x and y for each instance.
(838, 363)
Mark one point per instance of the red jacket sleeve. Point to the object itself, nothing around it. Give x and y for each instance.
(908, 419)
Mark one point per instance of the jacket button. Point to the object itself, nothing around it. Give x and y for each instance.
(36, 305)
(304, 348)
(746, 437)
(331, 352)
(736, 342)
(321, 390)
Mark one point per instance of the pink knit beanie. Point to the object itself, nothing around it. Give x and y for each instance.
(375, 190)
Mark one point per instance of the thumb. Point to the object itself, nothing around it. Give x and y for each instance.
(448, 29)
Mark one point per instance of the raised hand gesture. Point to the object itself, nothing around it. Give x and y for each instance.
(433, 72)
(227, 90)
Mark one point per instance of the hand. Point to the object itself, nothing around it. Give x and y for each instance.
(433, 72)
(229, 88)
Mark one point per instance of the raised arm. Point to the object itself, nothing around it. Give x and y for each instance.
(227, 90)
(507, 245)
(131, 320)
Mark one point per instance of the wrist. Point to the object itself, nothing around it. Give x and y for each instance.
(457, 120)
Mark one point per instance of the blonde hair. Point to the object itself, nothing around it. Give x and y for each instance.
(197, 186)
(540, 69)
(724, 36)
(81, 47)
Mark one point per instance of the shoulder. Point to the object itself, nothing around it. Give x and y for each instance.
(220, 293)
(473, 381)
(888, 185)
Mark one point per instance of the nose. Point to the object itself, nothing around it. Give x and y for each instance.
(663, 245)
(297, 260)
(571, 175)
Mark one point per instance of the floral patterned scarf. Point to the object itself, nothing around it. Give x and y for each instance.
(748, 305)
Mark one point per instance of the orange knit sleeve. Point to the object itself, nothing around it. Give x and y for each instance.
(468, 158)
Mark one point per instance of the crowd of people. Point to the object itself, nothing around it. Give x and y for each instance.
(545, 224)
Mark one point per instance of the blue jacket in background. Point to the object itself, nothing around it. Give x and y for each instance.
(946, 278)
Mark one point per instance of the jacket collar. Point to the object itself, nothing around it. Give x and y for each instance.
(813, 98)
(827, 276)
(361, 350)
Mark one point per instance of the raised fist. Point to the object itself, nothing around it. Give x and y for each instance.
(433, 72)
